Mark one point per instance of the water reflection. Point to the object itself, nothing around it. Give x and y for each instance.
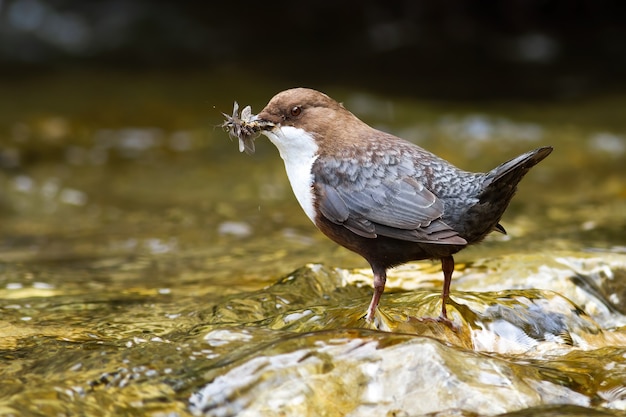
(149, 268)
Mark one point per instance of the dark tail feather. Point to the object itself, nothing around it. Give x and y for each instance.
(501, 182)
(511, 172)
(498, 187)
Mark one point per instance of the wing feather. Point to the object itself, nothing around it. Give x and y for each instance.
(397, 207)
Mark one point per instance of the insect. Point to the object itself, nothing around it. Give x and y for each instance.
(244, 127)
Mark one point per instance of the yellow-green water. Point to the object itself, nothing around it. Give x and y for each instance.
(147, 267)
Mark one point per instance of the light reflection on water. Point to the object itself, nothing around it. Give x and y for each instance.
(134, 259)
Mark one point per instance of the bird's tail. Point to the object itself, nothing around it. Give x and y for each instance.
(499, 185)
(504, 178)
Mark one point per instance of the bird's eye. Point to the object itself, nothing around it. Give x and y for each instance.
(295, 111)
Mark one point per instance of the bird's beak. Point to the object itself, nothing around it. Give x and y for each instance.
(246, 127)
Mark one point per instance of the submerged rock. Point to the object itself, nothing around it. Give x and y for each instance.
(510, 350)
(364, 373)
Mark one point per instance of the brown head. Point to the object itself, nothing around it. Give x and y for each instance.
(332, 126)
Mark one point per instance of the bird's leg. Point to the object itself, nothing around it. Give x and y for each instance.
(380, 277)
(447, 266)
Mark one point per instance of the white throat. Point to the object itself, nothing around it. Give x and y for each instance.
(299, 151)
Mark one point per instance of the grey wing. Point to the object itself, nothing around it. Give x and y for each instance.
(400, 208)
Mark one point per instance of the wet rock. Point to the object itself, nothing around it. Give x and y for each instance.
(361, 373)
(509, 350)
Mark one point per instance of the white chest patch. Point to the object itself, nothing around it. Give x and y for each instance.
(299, 150)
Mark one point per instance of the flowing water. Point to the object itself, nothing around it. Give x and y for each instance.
(148, 268)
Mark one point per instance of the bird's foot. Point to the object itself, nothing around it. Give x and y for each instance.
(445, 320)
(440, 320)
(372, 320)
(380, 320)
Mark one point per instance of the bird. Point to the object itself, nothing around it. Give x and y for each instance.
(380, 196)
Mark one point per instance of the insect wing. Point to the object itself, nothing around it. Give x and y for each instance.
(246, 114)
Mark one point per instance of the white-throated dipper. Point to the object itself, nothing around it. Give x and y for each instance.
(378, 195)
